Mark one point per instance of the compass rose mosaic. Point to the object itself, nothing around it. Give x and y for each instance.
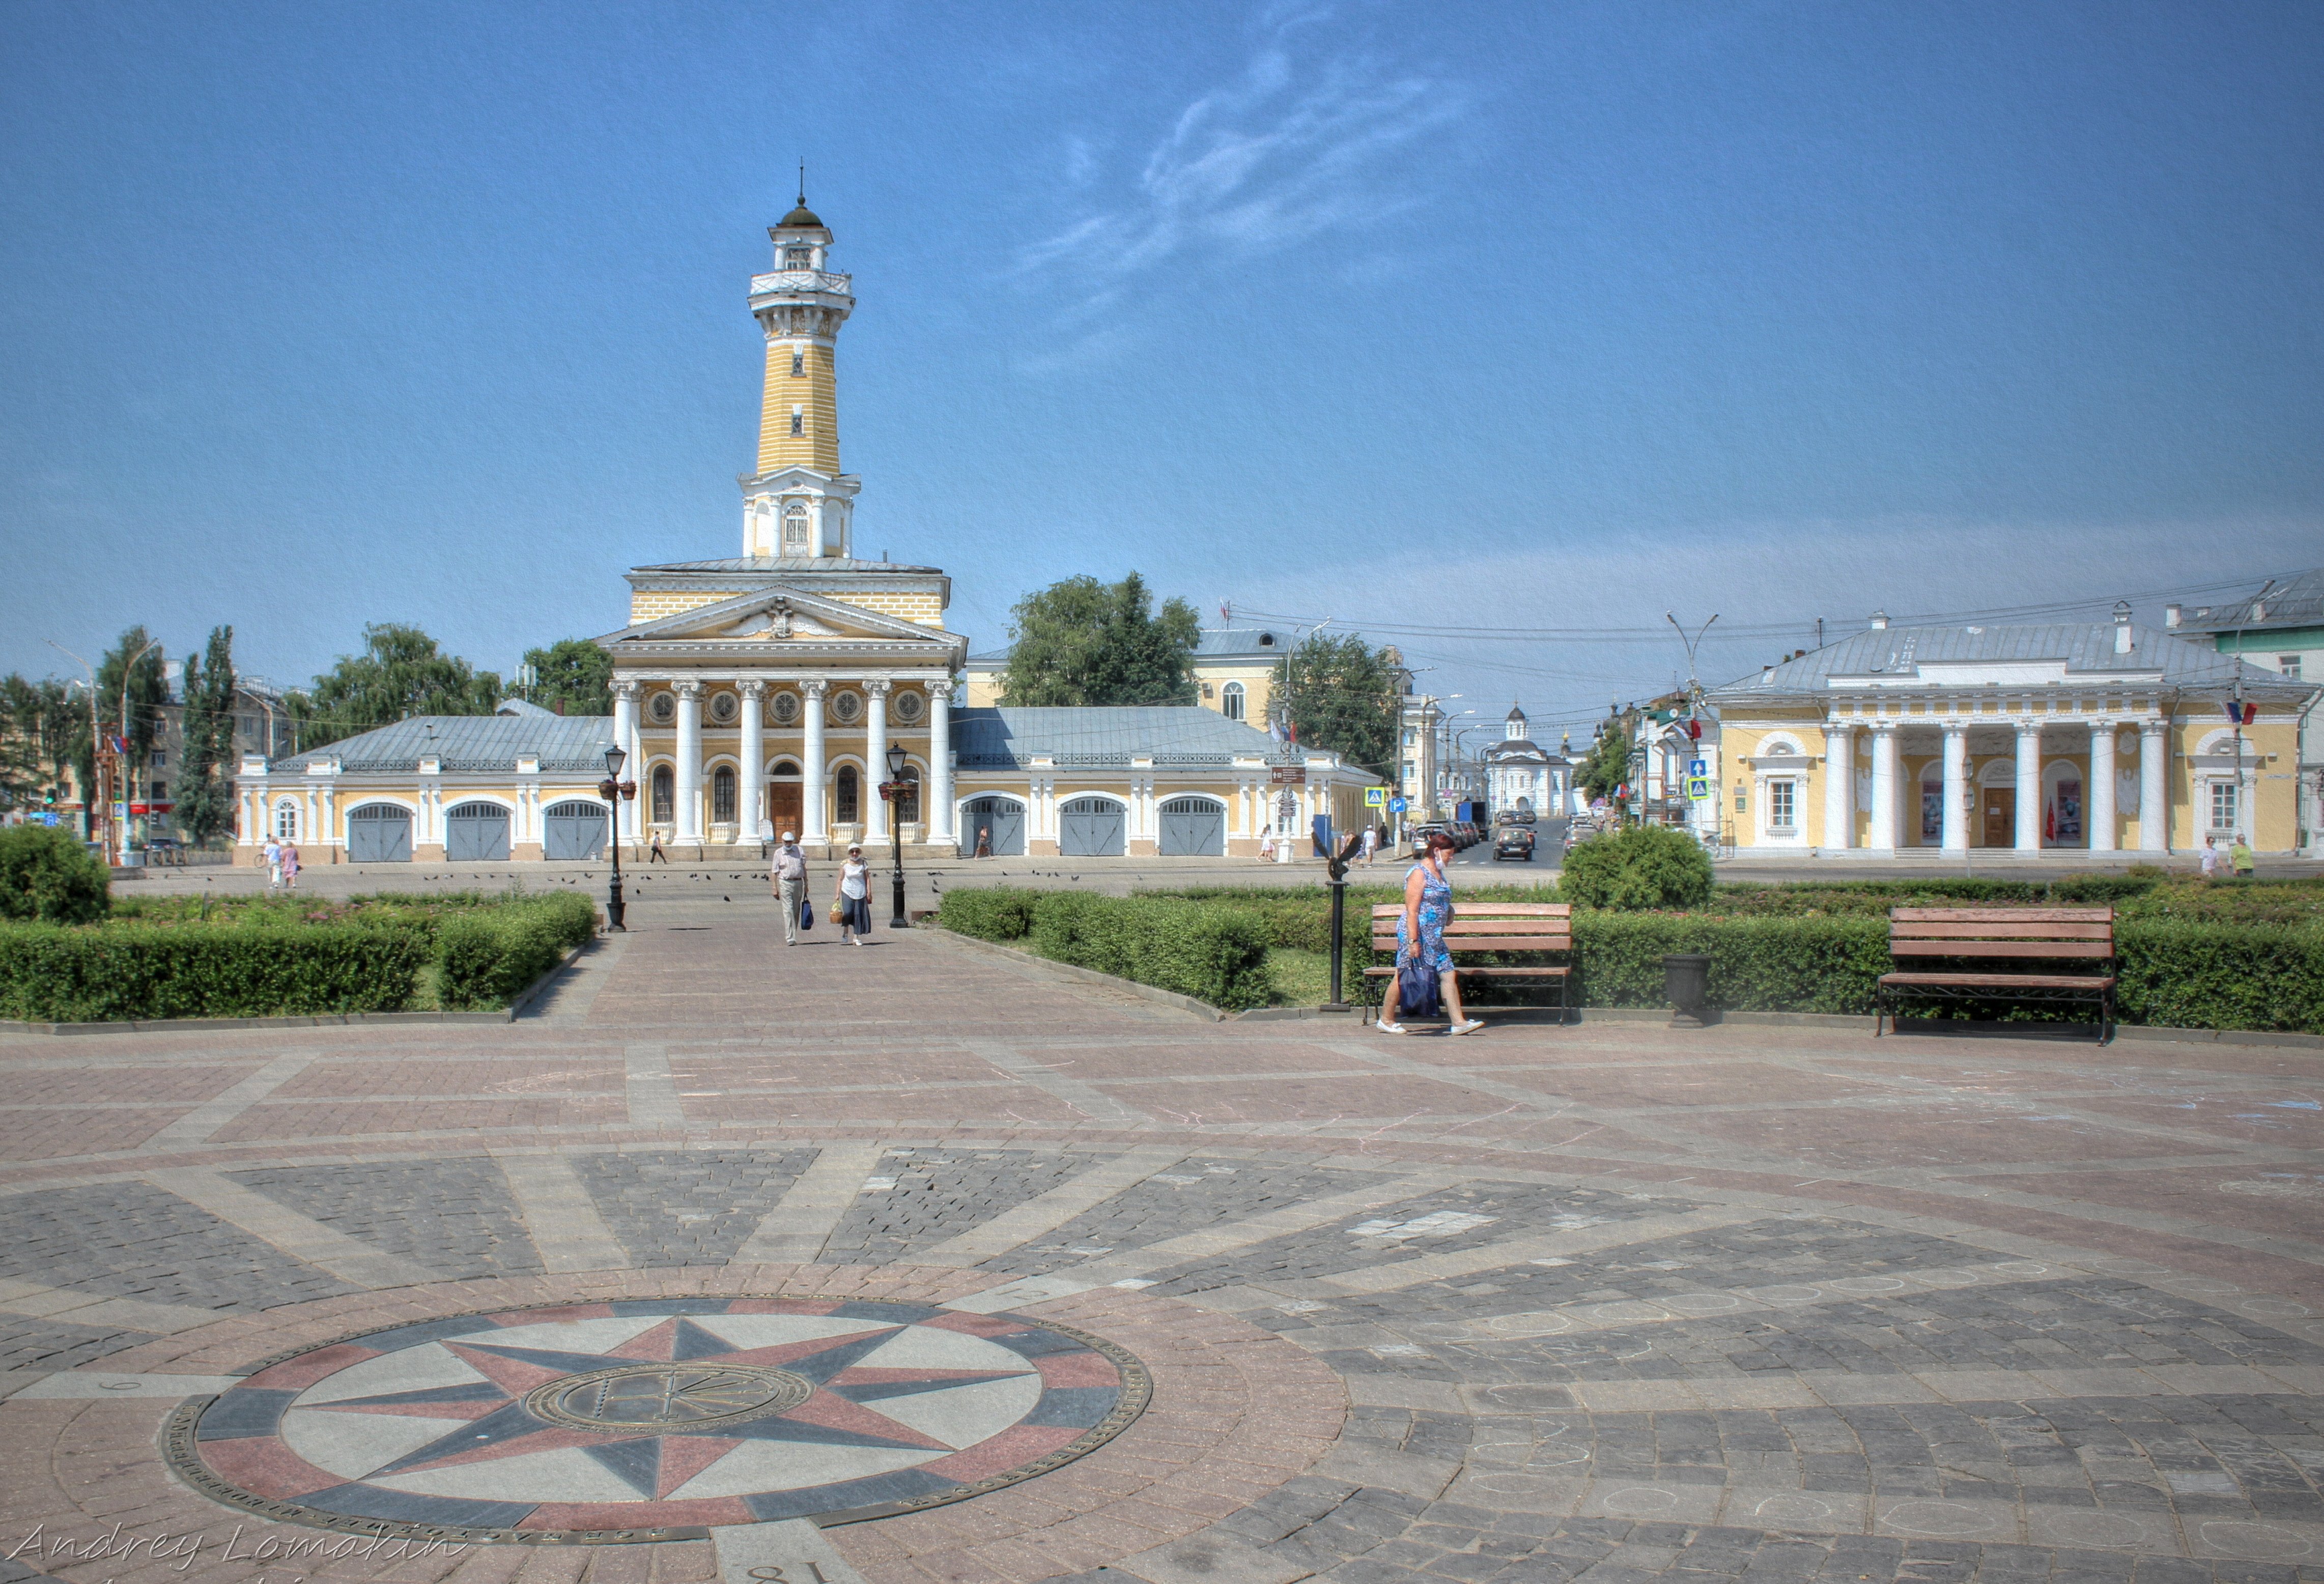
(657, 1418)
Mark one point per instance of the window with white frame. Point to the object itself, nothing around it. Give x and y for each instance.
(2289, 664)
(798, 258)
(1230, 700)
(1780, 805)
(286, 822)
(798, 420)
(799, 362)
(795, 526)
(2223, 806)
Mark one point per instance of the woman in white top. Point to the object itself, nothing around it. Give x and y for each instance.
(851, 902)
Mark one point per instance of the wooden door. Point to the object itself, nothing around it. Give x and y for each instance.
(784, 805)
(2000, 806)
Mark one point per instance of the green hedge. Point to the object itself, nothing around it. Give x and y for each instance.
(53, 974)
(486, 958)
(48, 875)
(1215, 954)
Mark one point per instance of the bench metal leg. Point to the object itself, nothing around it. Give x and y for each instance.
(1879, 1007)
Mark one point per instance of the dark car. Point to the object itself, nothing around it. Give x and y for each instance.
(1513, 841)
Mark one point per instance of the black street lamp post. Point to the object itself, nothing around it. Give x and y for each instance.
(894, 792)
(612, 790)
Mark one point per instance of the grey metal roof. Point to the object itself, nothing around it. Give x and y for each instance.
(2298, 601)
(469, 743)
(1007, 738)
(770, 564)
(1261, 643)
(522, 706)
(1509, 750)
(2086, 647)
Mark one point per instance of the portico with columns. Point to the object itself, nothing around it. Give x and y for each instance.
(2102, 737)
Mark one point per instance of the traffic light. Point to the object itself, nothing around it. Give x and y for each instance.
(49, 799)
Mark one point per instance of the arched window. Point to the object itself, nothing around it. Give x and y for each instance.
(286, 822)
(795, 525)
(785, 767)
(664, 799)
(847, 793)
(908, 801)
(1230, 700)
(721, 795)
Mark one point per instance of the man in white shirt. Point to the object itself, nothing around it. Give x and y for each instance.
(789, 875)
(273, 851)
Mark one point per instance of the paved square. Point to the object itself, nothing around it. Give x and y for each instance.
(1007, 1277)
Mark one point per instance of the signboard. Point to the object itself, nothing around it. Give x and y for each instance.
(1396, 806)
(1375, 797)
(1289, 776)
(1698, 766)
(1698, 789)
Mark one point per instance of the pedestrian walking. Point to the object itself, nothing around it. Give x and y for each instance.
(2245, 861)
(273, 854)
(1371, 843)
(2210, 858)
(1420, 937)
(1267, 846)
(983, 841)
(290, 866)
(851, 899)
(790, 877)
(657, 855)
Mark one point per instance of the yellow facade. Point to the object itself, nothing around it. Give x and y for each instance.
(925, 609)
(812, 396)
(1258, 679)
(653, 605)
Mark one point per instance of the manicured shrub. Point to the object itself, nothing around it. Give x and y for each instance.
(97, 973)
(486, 958)
(1646, 866)
(990, 913)
(1215, 954)
(46, 875)
(2187, 974)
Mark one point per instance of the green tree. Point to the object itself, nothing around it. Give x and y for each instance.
(49, 877)
(400, 673)
(132, 688)
(21, 770)
(574, 673)
(1646, 866)
(1608, 765)
(1347, 697)
(204, 792)
(1085, 642)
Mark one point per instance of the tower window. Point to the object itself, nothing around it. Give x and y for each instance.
(798, 420)
(799, 362)
(798, 258)
(795, 527)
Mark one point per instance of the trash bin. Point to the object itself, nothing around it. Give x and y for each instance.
(1686, 981)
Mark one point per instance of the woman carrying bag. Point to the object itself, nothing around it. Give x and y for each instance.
(1423, 966)
(851, 902)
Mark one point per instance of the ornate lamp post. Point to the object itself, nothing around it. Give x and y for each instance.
(893, 792)
(613, 789)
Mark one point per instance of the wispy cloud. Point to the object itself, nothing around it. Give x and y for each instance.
(1302, 142)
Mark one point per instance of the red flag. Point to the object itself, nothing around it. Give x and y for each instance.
(2049, 824)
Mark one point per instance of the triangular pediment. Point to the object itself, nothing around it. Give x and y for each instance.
(767, 618)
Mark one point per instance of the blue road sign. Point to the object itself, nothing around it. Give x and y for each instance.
(1396, 805)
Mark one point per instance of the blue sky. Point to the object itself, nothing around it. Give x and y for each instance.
(1501, 317)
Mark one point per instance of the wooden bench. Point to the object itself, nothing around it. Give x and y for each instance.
(2058, 934)
(1489, 927)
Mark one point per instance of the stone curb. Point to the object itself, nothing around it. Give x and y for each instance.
(508, 1013)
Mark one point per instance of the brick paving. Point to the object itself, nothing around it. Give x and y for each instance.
(1608, 1302)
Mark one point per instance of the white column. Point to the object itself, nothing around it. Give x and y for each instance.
(2098, 803)
(688, 787)
(751, 805)
(2154, 788)
(1957, 788)
(1883, 788)
(2029, 787)
(1839, 786)
(877, 810)
(813, 830)
(625, 727)
(938, 812)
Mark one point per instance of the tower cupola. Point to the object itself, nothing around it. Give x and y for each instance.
(1513, 729)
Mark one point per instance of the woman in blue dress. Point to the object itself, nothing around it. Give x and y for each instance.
(1427, 906)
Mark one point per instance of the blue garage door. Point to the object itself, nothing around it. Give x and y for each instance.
(379, 832)
(1091, 828)
(1193, 827)
(477, 833)
(573, 832)
(998, 822)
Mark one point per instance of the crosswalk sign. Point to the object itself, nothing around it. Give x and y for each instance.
(1698, 789)
(1375, 797)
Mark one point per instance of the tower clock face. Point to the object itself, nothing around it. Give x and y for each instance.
(784, 707)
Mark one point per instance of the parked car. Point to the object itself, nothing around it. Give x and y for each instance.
(1513, 841)
(1419, 835)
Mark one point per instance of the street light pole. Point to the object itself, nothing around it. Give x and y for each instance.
(613, 790)
(893, 793)
(128, 671)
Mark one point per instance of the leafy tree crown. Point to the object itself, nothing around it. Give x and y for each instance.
(1085, 642)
